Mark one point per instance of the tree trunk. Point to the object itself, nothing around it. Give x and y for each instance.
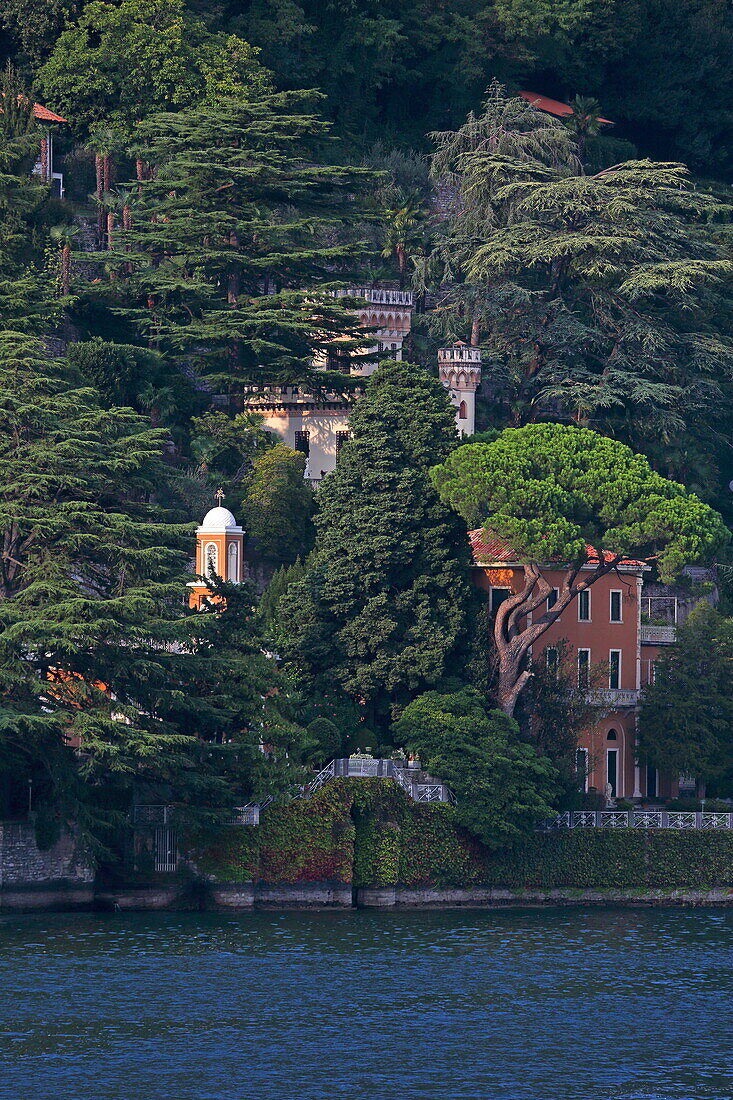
(45, 173)
(66, 268)
(233, 278)
(110, 230)
(402, 261)
(99, 170)
(107, 166)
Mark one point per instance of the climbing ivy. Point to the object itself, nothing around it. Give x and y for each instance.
(369, 833)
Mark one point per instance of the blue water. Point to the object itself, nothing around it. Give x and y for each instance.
(550, 1004)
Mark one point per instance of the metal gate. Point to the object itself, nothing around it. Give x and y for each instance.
(166, 853)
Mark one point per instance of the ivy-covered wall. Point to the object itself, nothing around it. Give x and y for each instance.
(368, 833)
(308, 840)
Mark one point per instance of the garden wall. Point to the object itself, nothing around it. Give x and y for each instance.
(364, 838)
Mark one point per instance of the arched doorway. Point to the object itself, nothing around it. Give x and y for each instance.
(613, 770)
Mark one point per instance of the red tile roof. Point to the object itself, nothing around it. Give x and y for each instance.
(487, 548)
(553, 106)
(45, 115)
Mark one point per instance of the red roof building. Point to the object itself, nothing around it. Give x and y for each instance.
(602, 627)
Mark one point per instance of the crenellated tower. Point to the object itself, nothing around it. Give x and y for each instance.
(459, 369)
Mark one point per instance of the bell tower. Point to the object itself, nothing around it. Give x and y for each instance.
(459, 369)
(219, 550)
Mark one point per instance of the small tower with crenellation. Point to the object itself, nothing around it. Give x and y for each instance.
(459, 369)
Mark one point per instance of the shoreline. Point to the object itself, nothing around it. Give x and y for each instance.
(201, 896)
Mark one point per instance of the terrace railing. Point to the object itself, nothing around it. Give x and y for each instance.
(367, 767)
(639, 819)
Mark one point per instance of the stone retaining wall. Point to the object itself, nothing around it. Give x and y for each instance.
(58, 878)
(399, 897)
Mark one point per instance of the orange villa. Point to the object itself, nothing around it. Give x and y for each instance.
(602, 626)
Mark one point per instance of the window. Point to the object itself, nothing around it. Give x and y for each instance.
(616, 605)
(302, 442)
(498, 595)
(581, 768)
(553, 598)
(583, 667)
(614, 669)
(233, 563)
(211, 558)
(584, 606)
(341, 438)
(462, 411)
(338, 359)
(551, 658)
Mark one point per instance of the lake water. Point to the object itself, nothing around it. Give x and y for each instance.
(548, 1004)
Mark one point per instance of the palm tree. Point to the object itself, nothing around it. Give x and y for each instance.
(64, 235)
(403, 229)
(104, 142)
(584, 122)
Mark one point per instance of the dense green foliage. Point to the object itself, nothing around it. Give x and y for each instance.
(97, 659)
(686, 717)
(602, 297)
(121, 62)
(550, 490)
(503, 787)
(382, 608)
(279, 505)
(232, 227)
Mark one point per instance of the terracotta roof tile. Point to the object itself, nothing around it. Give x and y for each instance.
(46, 115)
(553, 106)
(485, 549)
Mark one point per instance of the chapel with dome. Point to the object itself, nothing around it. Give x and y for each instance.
(219, 552)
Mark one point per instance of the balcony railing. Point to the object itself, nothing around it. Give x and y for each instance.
(366, 767)
(379, 296)
(639, 819)
(152, 815)
(613, 697)
(658, 633)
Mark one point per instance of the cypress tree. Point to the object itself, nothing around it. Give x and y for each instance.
(381, 611)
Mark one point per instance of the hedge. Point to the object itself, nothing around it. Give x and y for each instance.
(368, 833)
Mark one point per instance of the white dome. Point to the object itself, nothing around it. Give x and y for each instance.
(217, 518)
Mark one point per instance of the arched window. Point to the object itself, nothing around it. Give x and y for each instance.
(462, 411)
(211, 558)
(612, 736)
(233, 562)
